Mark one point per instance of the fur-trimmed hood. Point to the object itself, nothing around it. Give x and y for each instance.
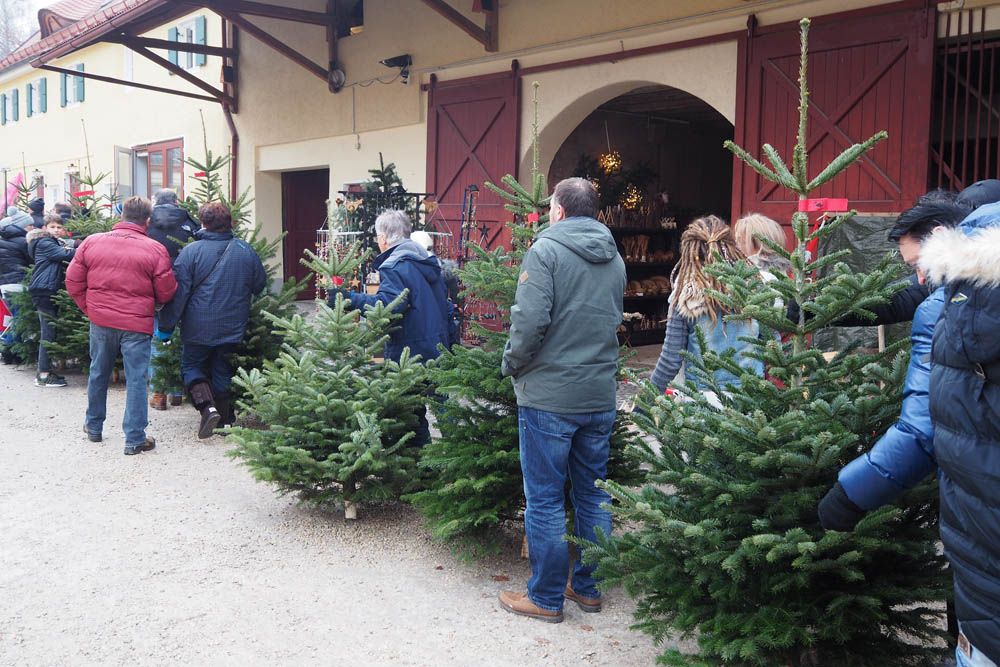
(964, 253)
(39, 234)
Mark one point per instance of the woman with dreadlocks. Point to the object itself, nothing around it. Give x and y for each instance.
(692, 308)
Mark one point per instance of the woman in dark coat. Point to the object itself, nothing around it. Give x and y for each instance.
(965, 410)
(217, 277)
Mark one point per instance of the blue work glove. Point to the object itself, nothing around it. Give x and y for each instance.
(163, 336)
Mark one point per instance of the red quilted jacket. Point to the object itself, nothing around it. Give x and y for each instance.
(118, 277)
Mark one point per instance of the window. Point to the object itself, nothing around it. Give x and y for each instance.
(143, 170)
(9, 103)
(123, 172)
(189, 32)
(35, 99)
(71, 88)
(128, 66)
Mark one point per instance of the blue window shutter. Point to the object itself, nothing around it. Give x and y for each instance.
(29, 104)
(43, 95)
(200, 25)
(15, 99)
(3, 108)
(63, 89)
(79, 84)
(173, 35)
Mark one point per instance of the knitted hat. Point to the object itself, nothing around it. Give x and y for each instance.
(36, 205)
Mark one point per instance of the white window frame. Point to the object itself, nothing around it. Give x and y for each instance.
(36, 98)
(8, 106)
(187, 33)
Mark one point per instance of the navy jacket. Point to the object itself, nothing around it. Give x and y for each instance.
(425, 311)
(172, 227)
(905, 454)
(50, 257)
(14, 257)
(213, 304)
(965, 409)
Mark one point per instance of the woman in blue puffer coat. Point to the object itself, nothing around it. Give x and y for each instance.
(965, 411)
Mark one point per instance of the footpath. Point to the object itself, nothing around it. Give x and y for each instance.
(178, 557)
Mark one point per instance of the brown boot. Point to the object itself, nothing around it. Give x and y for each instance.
(521, 604)
(589, 605)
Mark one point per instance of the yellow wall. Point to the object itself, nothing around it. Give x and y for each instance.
(113, 115)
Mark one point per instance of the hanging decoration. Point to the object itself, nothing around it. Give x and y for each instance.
(631, 197)
(611, 161)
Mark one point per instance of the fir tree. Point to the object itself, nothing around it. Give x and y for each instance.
(727, 545)
(473, 469)
(337, 422)
(165, 367)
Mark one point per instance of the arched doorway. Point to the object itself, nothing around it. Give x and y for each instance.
(656, 154)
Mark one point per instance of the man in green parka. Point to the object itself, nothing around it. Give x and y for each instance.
(563, 355)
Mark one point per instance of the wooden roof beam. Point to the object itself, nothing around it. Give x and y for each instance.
(263, 9)
(216, 94)
(485, 36)
(266, 38)
(184, 47)
(122, 82)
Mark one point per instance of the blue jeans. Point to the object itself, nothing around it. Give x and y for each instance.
(104, 346)
(46, 314)
(209, 363)
(554, 447)
(977, 659)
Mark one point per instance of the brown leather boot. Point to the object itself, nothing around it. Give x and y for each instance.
(589, 605)
(521, 604)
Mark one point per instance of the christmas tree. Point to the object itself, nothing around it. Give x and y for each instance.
(337, 422)
(473, 469)
(165, 366)
(727, 545)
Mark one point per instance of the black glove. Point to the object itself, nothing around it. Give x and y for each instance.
(331, 298)
(837, 511)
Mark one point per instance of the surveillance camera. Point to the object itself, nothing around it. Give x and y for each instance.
(404, 75)
(403, 61)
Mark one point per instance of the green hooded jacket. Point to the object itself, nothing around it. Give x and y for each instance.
(563, 347)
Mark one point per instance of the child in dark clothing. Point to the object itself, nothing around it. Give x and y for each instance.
(50, 250)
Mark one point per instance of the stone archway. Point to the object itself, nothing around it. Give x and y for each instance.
(567, 97)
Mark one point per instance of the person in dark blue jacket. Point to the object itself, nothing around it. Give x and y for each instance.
(170, 224)
(50, 251)
(965, 411)
(217, 278)
(405, 265)
(14, 257)
(905, 454)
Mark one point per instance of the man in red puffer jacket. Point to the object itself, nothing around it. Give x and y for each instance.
(117, 279)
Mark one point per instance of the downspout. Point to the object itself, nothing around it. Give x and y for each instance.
(234, 140)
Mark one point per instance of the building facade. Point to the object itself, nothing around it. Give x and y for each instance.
(317, 90)
(56, 127)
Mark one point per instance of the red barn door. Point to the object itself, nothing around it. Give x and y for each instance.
(472, 137)
(869, 70)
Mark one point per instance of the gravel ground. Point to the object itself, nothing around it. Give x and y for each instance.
(178, 557)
